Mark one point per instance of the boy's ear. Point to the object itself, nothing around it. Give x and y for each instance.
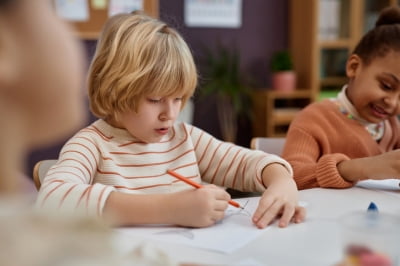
(9, 59)
(353, 63)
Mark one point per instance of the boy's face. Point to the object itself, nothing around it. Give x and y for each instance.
(374, 89)
(154, 118)
(47, 65)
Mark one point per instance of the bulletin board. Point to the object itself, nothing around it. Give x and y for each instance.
(90, 29)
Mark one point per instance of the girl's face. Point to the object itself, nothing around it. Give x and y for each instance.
(154, 118)
(374, 89)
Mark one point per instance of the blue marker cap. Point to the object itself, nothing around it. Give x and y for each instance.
(372, 207)
(372, 215)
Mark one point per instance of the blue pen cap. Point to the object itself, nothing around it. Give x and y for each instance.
(372, 216)
(372, 207)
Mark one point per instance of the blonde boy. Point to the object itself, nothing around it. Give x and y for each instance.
(140, 78)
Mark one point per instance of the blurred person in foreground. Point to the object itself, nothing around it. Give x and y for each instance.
(41, 70)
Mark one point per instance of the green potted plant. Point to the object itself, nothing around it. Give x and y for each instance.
(283, 74)
(221, 77)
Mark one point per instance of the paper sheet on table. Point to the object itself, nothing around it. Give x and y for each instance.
(387, 184)
(233, 232)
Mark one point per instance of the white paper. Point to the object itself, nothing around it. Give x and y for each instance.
(124, 6)
(249, 262)
(213, 13)
(386, 184)
(232, 233)
(74, 10)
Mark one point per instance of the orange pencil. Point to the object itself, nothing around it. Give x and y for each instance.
(194, 184)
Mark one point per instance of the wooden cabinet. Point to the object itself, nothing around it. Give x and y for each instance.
(274, 110)
(322, 35)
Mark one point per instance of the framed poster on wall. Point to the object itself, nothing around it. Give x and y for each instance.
(213, 13)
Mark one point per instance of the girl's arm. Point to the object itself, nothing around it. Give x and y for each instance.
(311, 169)
(383, 166)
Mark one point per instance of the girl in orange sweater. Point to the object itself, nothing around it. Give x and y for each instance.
(337, 142)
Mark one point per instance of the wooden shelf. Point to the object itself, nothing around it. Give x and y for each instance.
(333, 81)
(299, 93)
(340, 43)
(320, 64)
(283, 116)
(274, 110)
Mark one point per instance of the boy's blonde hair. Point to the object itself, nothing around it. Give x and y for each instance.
(138, 56)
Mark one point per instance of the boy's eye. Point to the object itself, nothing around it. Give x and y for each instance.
(158, 100)
(154, 100)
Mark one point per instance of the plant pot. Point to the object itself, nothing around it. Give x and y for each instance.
(284, 81)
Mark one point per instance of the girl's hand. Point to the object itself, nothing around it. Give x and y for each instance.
(199, 207)
(279, 200)
(383, 166)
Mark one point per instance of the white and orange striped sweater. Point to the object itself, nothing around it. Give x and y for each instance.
(100, 159)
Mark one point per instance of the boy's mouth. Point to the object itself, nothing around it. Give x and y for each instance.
(162, 130)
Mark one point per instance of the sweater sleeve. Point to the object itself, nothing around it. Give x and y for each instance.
(229, 165)
(303, 152)
(68, 185)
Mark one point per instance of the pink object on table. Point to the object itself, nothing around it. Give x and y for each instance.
(374, 259)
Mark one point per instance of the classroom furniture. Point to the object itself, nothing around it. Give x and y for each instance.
(315, 242)
(40, 170)
(268, 145)
(274, 110)
(322, 33)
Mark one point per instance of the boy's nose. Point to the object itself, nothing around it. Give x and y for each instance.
(168, 113)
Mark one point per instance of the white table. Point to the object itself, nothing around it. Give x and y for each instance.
(317, 241)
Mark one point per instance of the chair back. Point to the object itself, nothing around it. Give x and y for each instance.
(268, 145)
(40, 170)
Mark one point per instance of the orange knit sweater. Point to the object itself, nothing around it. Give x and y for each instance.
(321, 136)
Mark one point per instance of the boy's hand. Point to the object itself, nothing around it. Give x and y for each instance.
(280, 199)
(199, 207)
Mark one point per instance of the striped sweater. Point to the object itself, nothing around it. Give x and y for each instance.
(100, 159)
(321, 136)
